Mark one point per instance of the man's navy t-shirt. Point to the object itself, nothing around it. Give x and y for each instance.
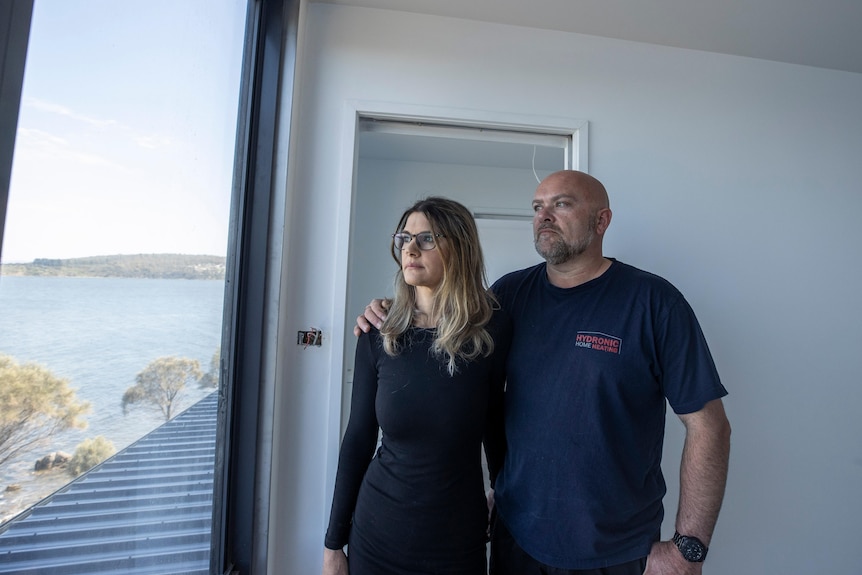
(589, 371)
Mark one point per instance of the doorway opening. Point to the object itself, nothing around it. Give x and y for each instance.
(492, 167)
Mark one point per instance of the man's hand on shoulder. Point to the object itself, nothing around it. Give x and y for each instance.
(375, 314)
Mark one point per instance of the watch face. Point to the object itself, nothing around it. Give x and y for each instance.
(692, 549)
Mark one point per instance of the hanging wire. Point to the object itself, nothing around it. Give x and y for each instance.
(534, 165)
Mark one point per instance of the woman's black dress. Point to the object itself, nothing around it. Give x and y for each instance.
(418, 506)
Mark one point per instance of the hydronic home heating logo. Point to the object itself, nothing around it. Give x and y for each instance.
(598, 341)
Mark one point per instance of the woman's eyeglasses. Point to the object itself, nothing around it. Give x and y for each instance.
(425, 240)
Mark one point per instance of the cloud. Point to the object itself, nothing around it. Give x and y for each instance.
(40, 139)
(43, 140)
(153, 142)
(150, 142)
(36, 145)
(61, 110)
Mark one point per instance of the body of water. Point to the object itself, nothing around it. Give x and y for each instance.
(99, 333)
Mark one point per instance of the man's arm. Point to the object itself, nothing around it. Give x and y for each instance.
(703, 472)
(703, 476)
(375, 314)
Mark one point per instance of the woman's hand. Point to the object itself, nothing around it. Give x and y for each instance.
(334, 562)
(489, 498)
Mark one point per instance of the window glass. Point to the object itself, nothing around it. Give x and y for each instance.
(112, 281)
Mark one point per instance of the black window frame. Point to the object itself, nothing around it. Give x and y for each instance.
(241, 495)
(15, 19)
(241, 506)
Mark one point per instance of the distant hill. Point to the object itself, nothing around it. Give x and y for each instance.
(170, 266)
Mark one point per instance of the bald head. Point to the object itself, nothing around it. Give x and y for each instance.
(570, 217)
(584, 185)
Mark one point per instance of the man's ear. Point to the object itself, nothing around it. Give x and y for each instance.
(603, 220)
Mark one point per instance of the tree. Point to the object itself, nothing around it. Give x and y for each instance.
(35, 404)
(161, 383)
(211, 377)
(89, 453)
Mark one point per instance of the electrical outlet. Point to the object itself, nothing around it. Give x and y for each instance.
(311, 337)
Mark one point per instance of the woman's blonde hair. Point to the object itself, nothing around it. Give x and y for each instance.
(462, 303)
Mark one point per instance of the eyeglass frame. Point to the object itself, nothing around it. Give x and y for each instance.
(399, 237)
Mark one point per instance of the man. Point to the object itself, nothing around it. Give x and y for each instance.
(598, 348)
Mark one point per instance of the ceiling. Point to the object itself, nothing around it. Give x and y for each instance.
(821, 33)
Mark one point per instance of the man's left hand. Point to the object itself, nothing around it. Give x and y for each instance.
(665, 559)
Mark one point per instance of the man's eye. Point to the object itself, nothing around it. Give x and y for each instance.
(536, 207)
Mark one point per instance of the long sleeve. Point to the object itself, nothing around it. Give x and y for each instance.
(495, 436)
(359, 443)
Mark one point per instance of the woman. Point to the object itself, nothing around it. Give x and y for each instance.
(432, 380)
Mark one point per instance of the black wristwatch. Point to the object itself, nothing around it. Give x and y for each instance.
(692, 548)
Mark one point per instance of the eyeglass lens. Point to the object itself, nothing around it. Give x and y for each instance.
(425, 240)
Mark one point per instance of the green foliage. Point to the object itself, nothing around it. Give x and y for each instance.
(34, 405)
(89, 453)
(161, 384)
(173, 266)
(211, 377)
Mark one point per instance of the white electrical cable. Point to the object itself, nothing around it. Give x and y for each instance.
(538, 181)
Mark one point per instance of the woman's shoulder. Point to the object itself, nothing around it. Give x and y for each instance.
(372, 339)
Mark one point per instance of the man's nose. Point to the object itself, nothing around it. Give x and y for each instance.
(544, 214)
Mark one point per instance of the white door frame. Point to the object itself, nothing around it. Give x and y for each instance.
(353, 111)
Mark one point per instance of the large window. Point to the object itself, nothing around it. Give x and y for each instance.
(120, 228)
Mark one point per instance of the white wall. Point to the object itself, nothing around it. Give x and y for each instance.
(736, 179)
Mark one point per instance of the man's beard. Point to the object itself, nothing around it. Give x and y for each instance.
(558, 251)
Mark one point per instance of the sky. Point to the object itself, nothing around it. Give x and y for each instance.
(126, 131)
